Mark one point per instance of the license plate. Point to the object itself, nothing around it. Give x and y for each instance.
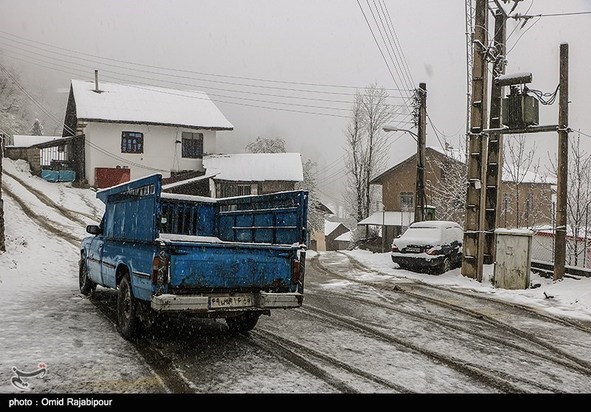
(242, 301)
(413, 249)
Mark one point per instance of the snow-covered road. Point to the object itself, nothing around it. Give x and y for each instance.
(352, 335)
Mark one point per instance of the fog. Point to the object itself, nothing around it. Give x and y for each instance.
(290, 69)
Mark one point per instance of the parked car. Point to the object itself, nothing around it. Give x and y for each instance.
(432, 246)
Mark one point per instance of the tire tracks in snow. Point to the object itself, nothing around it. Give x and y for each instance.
(70, 214)
(444, 298)
(292, 351)
(43, 221)
(157, 361)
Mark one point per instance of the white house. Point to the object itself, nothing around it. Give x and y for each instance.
(141, 130)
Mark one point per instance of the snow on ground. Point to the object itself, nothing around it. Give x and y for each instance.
(567, 297)
(45, 320)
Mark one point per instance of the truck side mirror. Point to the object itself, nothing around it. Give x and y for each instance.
(93, 229)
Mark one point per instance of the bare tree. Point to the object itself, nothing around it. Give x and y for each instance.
(578, 201)
(14, 112)
(578, 198)
(366, 146)
(356, 176)
(519, 169)
(277, 145)
(315, 214)
(448, 190)
(266, 145)
(15, 107)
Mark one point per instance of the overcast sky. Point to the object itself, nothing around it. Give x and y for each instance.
(273, 67)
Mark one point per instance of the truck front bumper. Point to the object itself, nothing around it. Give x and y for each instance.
(226, 302)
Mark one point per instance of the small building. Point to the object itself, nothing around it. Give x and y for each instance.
(131, 131)
(317, 237)
(227, 175)
(344, 240)
(253, 173)
(39, 151)
(524, 204)
(390, 224)
(332, 230)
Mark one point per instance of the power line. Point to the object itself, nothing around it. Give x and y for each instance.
(397, 43)
(190, 71)
(584, 134)
(250, 105)
(377, 44)
(574, 13)
(218, 96)
(386, 42)
(187, 84)
(329, 196)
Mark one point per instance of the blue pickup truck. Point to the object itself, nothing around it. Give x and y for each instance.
(233, 258)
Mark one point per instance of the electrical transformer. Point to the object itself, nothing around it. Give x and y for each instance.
(520, 110)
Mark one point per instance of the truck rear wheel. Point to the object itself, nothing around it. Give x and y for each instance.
(86, 285)
(243, 323)
(127, 319)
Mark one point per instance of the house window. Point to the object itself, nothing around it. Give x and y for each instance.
(406, 201)
(243, 190)
(132, 142)
(192, 145)
(233, 189)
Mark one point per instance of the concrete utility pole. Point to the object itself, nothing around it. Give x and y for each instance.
(561, 193)
(494, 162)
(473, 256)
(421, 139)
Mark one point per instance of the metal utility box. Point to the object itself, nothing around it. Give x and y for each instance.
(520, 110)
(513, 258)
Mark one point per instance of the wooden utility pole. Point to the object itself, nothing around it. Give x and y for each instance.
(472, 261)
(2, 235)
(561, 192)
(421, 139)
(494, 162)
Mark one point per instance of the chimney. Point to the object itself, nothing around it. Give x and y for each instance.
(96, 87)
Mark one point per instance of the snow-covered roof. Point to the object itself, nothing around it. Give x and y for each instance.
(255, 167)
(330, 227)
(147, 105)
(389, 219)
(21, 140)
(345, 237)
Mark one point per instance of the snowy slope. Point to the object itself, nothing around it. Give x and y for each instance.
(44, 317)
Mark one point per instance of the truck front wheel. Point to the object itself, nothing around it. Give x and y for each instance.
(86, 285)
(243, 323)
(127, 319)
